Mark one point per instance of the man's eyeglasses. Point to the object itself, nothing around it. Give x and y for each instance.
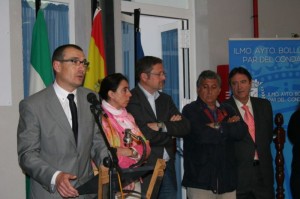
(77, 62)
(159, 74)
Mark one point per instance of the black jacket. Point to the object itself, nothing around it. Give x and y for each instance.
(209, 161)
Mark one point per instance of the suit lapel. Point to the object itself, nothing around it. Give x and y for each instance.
(255, 108)
(83, 116)
(56, 111)
(232, 102)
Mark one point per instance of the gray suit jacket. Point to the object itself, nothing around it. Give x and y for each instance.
(263, 116)
(46, 142)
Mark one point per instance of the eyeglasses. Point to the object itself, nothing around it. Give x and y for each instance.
(159, 74)
(77, 62)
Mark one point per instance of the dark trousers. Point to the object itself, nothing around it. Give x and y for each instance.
(294, 183)
(168, 186)
(257, 188)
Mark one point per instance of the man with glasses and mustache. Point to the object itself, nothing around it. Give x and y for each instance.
(57, 135)
(159, 120)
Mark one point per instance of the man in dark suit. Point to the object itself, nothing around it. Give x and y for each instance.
(208, 150)
(255, 168)
(294, 137)
(159, 120)
(56, 159)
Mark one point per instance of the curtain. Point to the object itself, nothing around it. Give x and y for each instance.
(128, 52)
(170, 61)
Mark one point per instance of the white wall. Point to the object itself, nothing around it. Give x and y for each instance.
(12, 181)
(172, 3)
(216, 21)
(278, 18)
(150, 28)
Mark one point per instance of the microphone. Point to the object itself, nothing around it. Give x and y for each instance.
(91, 98)
(127, 138)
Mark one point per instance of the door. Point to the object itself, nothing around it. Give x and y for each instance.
(175, 43)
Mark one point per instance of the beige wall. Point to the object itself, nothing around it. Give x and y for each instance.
(216, 21)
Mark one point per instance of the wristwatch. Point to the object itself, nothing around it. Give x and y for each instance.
(217, 125)
(160, 126)
(134, 153)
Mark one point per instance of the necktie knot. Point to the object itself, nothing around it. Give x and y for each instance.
(71, 97)
(245, 107)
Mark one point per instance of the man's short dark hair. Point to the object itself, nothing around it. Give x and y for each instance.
(145, 65)
(239, 70)
(208, 74)
(58, 53)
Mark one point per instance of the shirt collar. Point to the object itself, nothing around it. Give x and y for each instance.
(239, 104)
(62, 93)
(155, 95)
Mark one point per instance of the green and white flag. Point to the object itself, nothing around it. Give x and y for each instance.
(41, 74)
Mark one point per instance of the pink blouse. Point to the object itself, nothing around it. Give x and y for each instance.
(114, 127)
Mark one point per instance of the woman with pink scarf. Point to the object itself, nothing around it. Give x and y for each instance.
(115, 95)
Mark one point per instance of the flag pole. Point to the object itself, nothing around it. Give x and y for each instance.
(37, 6)
(137, 13)
(95, 5)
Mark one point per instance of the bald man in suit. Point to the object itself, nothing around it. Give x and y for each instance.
(56, 160)
(254, 159)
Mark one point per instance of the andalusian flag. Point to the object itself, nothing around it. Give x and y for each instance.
(41, 74)
(97, 68)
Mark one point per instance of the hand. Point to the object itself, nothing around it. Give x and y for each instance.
(153, 126)
(124, 151)
(175, 118)
(211, 125)
(131, 186)
(64, 187)
(232, 119)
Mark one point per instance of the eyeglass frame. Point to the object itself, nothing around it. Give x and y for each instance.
(76, 62)
(159, 74)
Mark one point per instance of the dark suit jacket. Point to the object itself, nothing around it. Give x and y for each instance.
(294, 137)
(263, 116)
(209, 161)
(46, 142)
(142, 112)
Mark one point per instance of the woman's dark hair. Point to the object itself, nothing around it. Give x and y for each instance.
(239, 70)
(110, 83)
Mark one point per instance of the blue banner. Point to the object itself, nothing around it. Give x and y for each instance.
(275, 68)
